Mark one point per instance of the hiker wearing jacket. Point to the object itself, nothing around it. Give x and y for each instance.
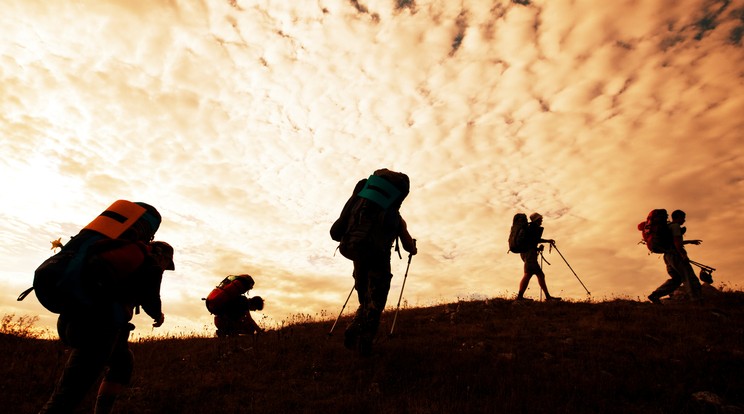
(531, 265)
(124, 274)
(678, 263)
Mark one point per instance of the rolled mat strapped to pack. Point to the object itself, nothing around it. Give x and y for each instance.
(380, 190)
(117, 218)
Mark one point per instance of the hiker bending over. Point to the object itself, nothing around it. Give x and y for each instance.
(232, 309)
(369, 224)
(677, 263)
(120, 275)
(529, 257)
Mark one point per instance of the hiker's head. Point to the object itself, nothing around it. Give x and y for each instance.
(162, 252)
(255, 303)
(536, 217)
(678, 216)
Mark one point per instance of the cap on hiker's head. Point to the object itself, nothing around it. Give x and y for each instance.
(256, 303)
(165, 251)
(535, 216)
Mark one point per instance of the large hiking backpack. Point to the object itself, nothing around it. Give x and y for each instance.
(370, 220)
(518, 235)
(655, 231)
(231, 287)
(59, 282)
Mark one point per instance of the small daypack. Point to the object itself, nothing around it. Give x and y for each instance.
(59, 282)
(370, 220)
(655, 231)
(231, 287)
(518, 235)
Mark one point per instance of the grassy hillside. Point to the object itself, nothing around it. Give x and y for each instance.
(493, 356)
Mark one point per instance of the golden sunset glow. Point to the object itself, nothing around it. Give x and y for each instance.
(247, 124)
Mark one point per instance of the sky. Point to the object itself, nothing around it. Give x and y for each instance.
(247, 124)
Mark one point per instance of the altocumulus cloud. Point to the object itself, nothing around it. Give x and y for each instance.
(248, 123)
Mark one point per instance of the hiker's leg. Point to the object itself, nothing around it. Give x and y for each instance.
(91, 348)
(541, 282)
(379, 289)
(121, 365)
(361, 285)
(675, 279)
(688, 277)
(531, 267)
(107, 393)
(523, 284)
(694, 283)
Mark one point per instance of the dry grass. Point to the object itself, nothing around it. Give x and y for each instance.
(493, 356)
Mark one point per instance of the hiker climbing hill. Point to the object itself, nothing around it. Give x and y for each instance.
(368, 226)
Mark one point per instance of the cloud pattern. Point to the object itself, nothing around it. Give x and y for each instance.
(248, 123)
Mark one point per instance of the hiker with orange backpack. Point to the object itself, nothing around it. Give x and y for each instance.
(677, 262)
(120, 269)
(367, 227)
(533, 239)
(232, 308)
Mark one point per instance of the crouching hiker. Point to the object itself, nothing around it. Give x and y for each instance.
(114, 267)
(232, 308)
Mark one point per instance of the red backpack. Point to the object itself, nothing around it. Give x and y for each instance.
(230, 288)
(655, 231)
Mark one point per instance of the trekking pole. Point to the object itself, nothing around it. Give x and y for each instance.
(702, 266)
(342, 311)
(395, 318)
(706, 272)
(569, 266)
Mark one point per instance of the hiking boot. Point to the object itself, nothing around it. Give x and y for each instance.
(553, 299)
(654, 299)
(523, 299)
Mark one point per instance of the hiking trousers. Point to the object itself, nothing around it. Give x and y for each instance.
(96, 342)
(680, 271)
(372, 283)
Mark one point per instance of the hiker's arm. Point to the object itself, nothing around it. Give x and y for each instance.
(405, 238)
(150, 293)
(248, 320)
(551, 241)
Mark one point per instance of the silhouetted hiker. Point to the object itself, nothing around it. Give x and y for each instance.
(119, 273)
(369, 224)
(232, 309)
(529, 257)
(677, 263)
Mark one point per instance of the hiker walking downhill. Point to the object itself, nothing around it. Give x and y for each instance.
(232, 308)
(119, 273)
(678, 263)
(533, 242)
(369, 224)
